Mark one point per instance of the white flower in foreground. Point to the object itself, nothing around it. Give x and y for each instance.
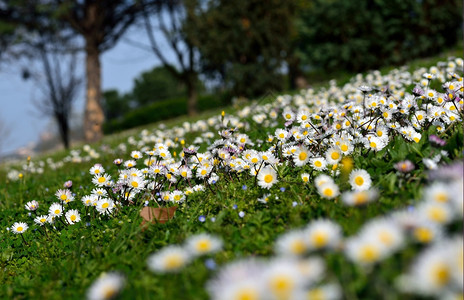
(202, 244)
(291, 243)
(107, 286)
(238, 280)
(282, 278)
(105, 206)
(19, 227)
(169, 259)
(356, 198)
(436, 212)
(322, 233)
(55, 210)
(72, 216)
(364, 250)
(41, 220)
(305, 177)
(328, 190)
(324, 292)
(322, 179)
(64, 195)
(267, 176)
(360, 180)
(301, 156)
(386, 232)
(101, 179)
(436, 270)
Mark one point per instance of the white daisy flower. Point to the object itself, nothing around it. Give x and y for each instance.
(97, 169)
(333, 155)
(64, 195)
(101, 179)
(301, 156)
(203, 244)
(55, 210)
(323, 234)
(305, 177)
(19, 227)
(356, 198)
(328, 190)
(360, 180)
(318, 163)
(32, 205)
(291, 243)
(41, 220)
(73, 216)
(238, 280)
(169, 259)
(105, 206)
(364, 250)
(106, 287)
(267, 176)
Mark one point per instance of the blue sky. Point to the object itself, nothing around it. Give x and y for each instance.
(120, 66)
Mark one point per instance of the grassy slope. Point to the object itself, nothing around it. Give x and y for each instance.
(63, 266)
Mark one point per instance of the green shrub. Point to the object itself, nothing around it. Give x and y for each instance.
(358, 35)
(160, 110)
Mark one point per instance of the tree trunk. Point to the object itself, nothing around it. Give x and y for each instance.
(63, 127)
(192, 96)
(93, 117)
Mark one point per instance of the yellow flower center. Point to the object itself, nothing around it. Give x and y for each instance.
(319, 239)
(135, 184)
(441, 197)
(298, 247)
(328, 192)
(359, 180)
(437, 214)
(203, 245)
(386, 238)
(184, 174)
(281, 284)
(360, 198)
(43, 220)
(441, 274)
(268, 178)
(57, 211)
(423, 235)
(101, 179)
(335, 155)
(288, 116)
(174, 261)
(247, 294)
(254, 160)
(369, 253)
(302, 156)
(19, 229)
(105, 205)
(344, 147)
(177, 197)
(73, 218)
(63, 197)
(304, 117)
(318, 163)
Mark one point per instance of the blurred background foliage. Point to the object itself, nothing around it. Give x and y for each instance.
(248, 48)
